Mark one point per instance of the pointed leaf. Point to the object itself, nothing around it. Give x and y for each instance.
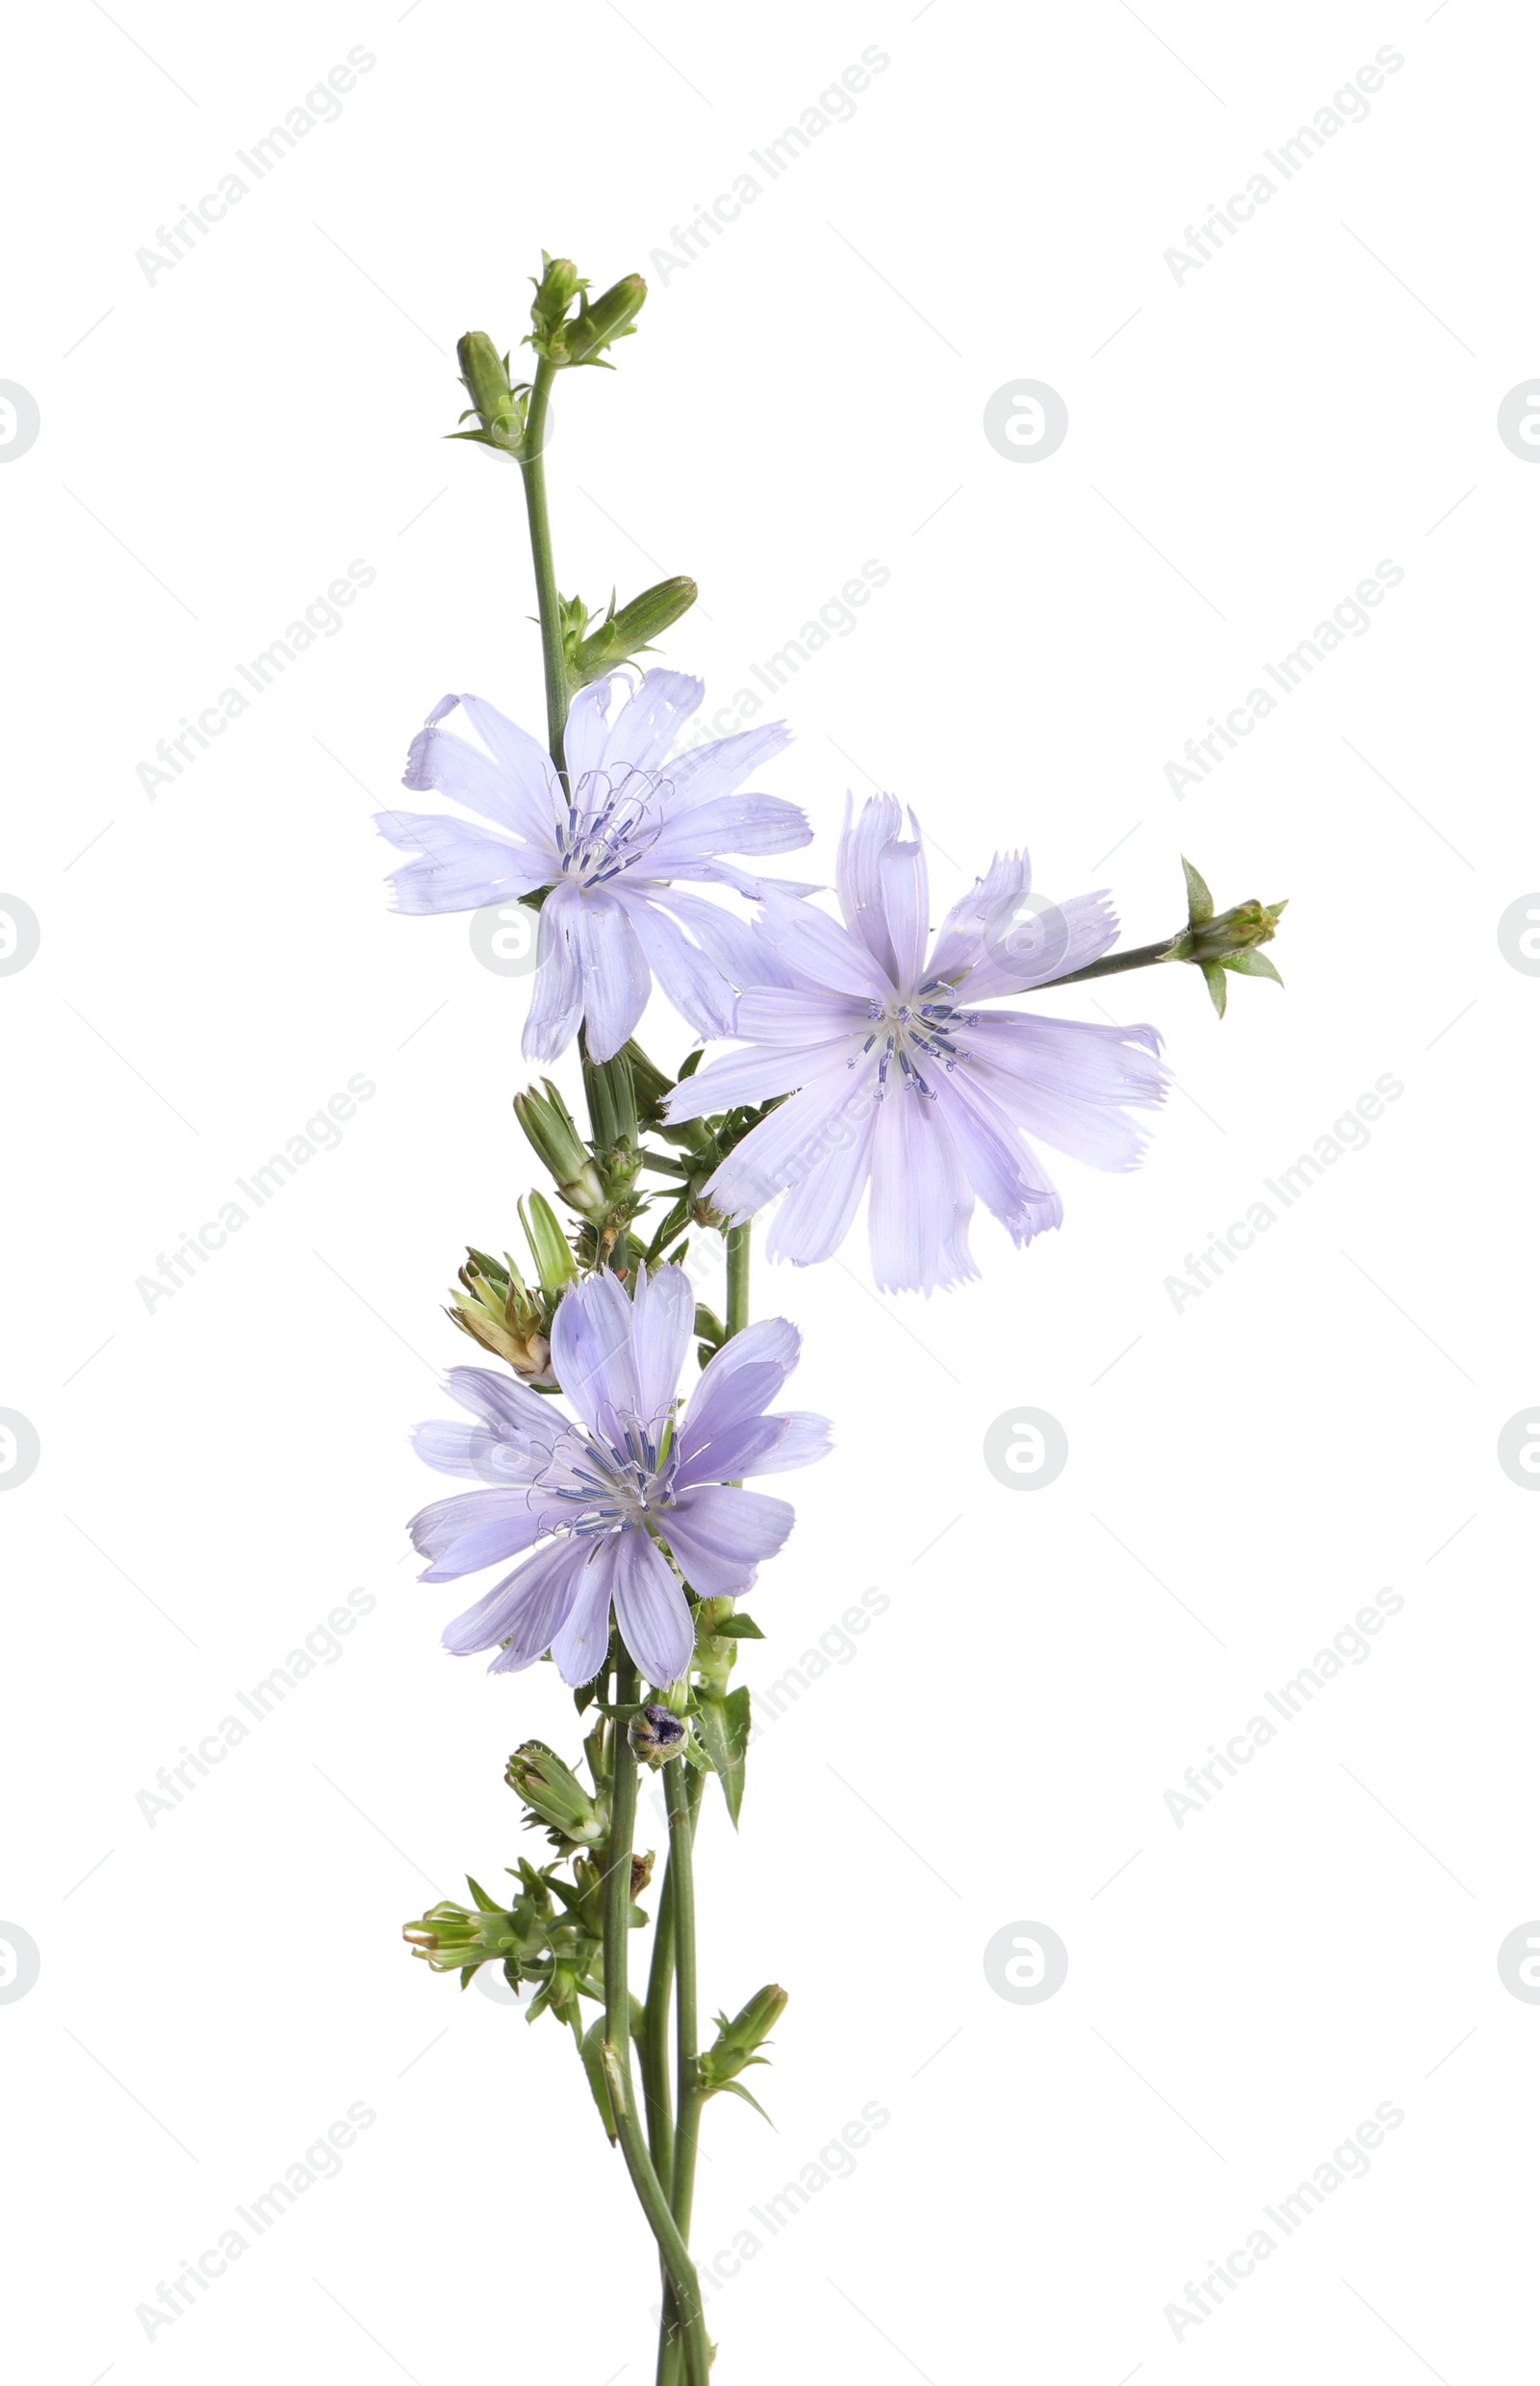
(1252, 965)
(738, 1627)
(723, 1725)
(1199, 901)
(486, 1903)
(1214, 980)
(736, 2087)
(593, 2054)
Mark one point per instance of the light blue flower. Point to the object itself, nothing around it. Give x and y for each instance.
(591, 1500)
(609, 844)
(897, 1082)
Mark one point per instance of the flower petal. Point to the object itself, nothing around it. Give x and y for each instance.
(921, 1201)
(738, 1078)
(513, 784)
(719, 1535)
(591, 1351)
(720, 767)
(690, 979)
(460, 867)
(758, 1445)
(826, 1117)
(525, 1609)
(741, 1380)
(586, 731)
(1066, 1081)
(858, 874)
(819, 952)
(652, 1610)
(616, 980)
(1001, 1166)
(662, 1328)
(802, 1016)
(582, 1644)
(731, 824)
(907, 903)
(647, 723)
(556, 1004)
(817, 1215)
(476, 1528)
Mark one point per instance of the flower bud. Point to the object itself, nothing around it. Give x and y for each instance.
(655, 1734)
(557, 1798)
(498, 1311)
(1226, 941)
(560, 282)
(611, 1101)
(461, 1938)
(549, 1246)
(553, 1130)
(611, 317)
(500, 409)
(629, 631)
(738, 2040)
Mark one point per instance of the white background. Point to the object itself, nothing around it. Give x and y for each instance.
(218, 444)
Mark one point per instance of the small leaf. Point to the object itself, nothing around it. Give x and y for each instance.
(1214, 980)
(593, 2054)
(738, 1627)
(736, 2087)
(723, 1725)
(586, 1695)
(1199, 901)
(691, 1062)
(1252, 965)
(486, 1903)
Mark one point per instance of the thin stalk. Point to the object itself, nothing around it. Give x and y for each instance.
(532, 465)
(738, 1279)
(1138, 956)
(655, 2087)
(618, 2041)
(686, 2062)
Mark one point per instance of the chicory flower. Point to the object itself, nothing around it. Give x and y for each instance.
(898, 1083)
(601, 1501)
(609, 842)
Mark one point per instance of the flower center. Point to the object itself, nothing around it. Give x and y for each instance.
(915, 1033)
(608, 1484)
(613, 821)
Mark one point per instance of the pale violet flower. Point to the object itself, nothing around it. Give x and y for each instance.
(610, 844)
(591, 1500)
(898, 1083)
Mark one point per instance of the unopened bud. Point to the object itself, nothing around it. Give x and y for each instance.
(500, 409)
(631, 631)
(611, 317)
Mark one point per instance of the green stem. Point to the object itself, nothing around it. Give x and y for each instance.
(655, 2038)
(682, 1876)
(738, 1279)
(1138, 956)
(532, 465)
(644, 2178)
